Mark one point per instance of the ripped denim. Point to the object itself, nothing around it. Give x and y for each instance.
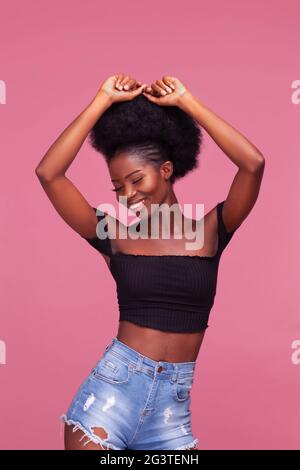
(138, 403)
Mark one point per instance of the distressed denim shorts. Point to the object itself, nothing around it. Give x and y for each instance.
(141, 404)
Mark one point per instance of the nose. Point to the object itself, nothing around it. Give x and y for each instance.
(129, 193)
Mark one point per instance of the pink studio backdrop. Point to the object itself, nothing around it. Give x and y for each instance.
(58, 299)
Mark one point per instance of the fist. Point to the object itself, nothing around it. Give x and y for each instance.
(121, 87)
(166, 92)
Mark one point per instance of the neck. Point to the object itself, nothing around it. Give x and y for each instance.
(173, 215)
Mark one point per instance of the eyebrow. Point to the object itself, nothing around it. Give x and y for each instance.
(129, 174)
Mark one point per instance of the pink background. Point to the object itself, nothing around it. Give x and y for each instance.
(58, 300)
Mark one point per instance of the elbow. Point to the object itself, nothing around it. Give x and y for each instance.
(43, 175)
(258, 164)
(40, 173)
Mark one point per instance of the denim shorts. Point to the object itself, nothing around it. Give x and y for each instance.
(141, 404)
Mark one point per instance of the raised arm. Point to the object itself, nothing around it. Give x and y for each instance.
(245, 186)
(51, 171)
(170, 91)
(63, 194)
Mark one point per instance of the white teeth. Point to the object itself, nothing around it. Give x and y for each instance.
(137, 205)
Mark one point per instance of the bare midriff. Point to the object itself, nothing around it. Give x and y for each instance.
(161, 345)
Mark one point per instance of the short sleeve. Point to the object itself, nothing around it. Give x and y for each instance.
(103, 246)
(224, 237)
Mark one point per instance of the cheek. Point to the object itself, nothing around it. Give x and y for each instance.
(152, 186)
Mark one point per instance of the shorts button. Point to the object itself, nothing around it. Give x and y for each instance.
(159, 369)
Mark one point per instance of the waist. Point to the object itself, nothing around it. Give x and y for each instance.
(161, 345)
(146, 363)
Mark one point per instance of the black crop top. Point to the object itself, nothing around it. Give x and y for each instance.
(168, 292)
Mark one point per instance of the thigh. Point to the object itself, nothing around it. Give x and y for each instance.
(76, 439)
(106, 408)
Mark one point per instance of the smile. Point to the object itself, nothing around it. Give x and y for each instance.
(137, 205)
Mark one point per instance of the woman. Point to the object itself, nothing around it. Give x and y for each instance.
(138, 394)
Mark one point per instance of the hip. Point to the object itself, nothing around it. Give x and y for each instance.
(141, 403)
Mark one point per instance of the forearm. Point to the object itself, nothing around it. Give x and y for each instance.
(236, 146)
(65, 148)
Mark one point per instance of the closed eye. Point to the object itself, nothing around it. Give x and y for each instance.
(134, 182)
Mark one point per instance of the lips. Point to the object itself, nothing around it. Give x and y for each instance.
(137, 205)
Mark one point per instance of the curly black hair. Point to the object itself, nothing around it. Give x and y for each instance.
(152, 132)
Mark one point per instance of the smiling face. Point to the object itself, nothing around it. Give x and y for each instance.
(137, 180)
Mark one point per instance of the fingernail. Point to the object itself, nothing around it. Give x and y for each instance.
(163, 92)
(126, 87)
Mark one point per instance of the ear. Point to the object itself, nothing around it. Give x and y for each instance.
(167, 169)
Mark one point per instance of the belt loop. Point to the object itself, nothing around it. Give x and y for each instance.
(139, 363)
(175, 374)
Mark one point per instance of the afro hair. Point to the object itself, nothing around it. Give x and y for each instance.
(136, 124)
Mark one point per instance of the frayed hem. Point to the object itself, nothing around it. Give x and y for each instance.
(189, 446)
(89, 435)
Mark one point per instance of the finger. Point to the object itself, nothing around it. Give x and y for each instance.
(167, 81)
(151, 98)
(152, 91)
(129, 84)
(158, 89)
(137, 84)
(138, 90)
(170, 80)
(116, 80)
(124, 81)
(164, 86)
(120, 76)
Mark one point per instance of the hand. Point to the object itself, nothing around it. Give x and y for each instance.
(121, 87)
(166, 92)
